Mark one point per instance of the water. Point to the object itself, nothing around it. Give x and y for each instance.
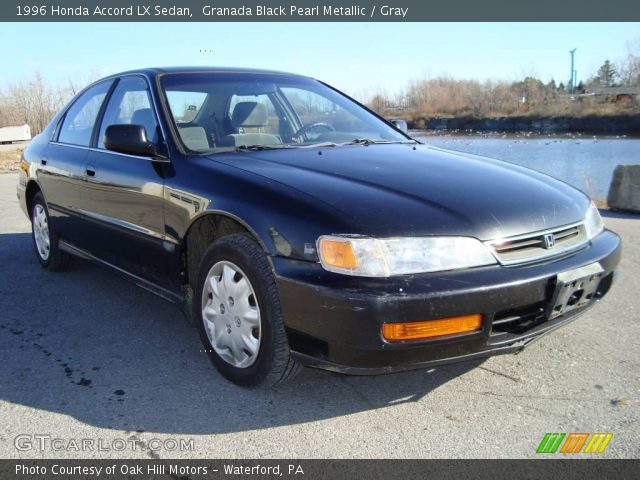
(585, 162)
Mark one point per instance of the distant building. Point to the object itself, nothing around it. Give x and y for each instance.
(617, 94)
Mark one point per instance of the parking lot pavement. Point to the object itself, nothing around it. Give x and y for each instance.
(86, 355)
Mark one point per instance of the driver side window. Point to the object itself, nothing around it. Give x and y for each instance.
(130, 104)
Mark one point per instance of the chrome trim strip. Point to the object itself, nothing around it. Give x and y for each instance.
(121, 223)
(536, 233)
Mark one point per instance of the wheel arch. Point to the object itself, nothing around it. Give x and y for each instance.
(205, 229)
(32, 189)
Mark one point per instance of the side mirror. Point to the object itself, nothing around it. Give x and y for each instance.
(401, 125)
(130, 139)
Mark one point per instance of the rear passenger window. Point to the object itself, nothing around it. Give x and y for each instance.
(78, 123)
(130, 104)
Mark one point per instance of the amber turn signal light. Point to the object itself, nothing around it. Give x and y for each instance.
(398, 332)
(338, 254)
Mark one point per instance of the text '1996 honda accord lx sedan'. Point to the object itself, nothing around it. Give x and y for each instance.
(296, 227)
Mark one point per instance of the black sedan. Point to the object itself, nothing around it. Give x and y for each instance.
(296, 227)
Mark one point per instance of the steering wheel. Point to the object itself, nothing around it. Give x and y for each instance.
(311, 126)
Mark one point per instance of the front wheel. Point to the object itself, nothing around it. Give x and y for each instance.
(239, 313)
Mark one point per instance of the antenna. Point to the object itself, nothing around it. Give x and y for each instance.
(573, 72)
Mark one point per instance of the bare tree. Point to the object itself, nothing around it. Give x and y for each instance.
(630, 68)
(34, 102)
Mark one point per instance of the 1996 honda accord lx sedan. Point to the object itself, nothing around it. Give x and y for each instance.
(296, 227)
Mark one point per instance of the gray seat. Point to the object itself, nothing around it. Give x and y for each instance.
(249, 115)
(145, 117)
(194, 138)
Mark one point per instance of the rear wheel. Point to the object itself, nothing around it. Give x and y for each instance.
(44, 239)
(239, 313)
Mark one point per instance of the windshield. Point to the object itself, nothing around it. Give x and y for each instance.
(215, 112)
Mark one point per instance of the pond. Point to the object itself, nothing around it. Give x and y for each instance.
(585, 162)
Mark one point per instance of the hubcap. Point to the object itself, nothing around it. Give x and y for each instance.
(231, 315)
(41, 232)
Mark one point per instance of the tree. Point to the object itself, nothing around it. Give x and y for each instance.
(379, 103)
(607, 75)
(630, 68)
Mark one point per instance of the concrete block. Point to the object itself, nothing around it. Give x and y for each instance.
(624, 191)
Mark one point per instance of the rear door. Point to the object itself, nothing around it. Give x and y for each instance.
(61, 173)
(123, 194)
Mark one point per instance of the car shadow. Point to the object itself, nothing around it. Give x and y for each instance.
(87, 344)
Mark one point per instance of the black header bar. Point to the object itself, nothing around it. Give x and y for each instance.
(561, 469)
(318, 11)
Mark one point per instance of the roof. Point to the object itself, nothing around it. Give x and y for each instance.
(199, 69)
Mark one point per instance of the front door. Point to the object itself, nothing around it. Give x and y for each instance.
(123, 194)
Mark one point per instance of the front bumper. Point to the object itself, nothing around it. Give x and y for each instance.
(334, 321)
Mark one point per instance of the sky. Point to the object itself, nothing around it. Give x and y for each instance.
(359, 58)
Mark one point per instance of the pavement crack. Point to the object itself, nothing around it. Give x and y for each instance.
(533, 397)
(495, 372)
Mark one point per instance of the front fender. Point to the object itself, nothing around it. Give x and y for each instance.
(285, 221)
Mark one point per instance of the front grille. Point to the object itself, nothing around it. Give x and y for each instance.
(532, 247)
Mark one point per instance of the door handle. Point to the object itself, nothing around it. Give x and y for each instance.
(90, 171)
(43, 161)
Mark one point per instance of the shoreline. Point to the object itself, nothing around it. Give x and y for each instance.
(613, 125)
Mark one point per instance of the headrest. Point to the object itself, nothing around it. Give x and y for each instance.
(249, 114)
(144, 117)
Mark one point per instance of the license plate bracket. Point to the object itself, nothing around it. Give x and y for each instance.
(575, 289)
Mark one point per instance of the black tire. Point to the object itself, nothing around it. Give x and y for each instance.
(273, 364)
(56, 259)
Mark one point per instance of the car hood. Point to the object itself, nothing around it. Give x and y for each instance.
(400, 190)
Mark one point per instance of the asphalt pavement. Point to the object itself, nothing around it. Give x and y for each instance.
(87, 356)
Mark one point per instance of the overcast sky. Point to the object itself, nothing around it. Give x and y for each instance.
(359, 58)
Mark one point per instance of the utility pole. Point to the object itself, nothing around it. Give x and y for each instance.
(573, 72)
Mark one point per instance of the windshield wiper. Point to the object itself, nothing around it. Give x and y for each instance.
(372, 141)
(355, 141)
(316, 145)
(255, 148)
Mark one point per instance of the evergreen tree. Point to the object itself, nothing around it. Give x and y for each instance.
(607, 75)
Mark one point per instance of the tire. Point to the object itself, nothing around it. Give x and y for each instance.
(44, 238)
(239, 314)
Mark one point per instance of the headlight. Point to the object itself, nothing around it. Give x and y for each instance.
(373, 257)
(593, 222)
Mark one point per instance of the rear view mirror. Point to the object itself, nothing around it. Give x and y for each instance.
(400, 125)
(248, 89)
(129, 139)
